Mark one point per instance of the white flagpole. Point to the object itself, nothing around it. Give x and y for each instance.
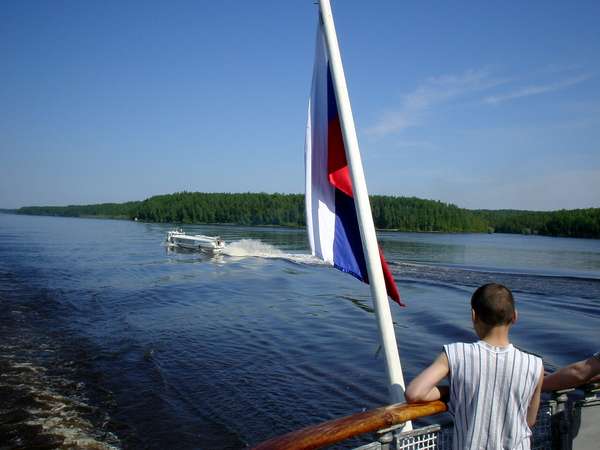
(363, 208)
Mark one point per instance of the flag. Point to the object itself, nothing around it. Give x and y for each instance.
(331, 218)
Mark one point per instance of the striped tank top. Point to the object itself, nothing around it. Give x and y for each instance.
(490, 391)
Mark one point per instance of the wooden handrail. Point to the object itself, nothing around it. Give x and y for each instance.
(337, 430)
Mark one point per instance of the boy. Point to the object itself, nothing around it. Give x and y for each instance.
(494, 391)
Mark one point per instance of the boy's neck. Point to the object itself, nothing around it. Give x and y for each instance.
(497, 336)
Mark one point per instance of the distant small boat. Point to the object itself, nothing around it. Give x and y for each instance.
(177, 238)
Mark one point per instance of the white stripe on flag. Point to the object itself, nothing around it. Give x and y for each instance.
(320, 194)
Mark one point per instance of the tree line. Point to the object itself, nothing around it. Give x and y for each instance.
(568, 223)
(390, 213)
(100, 210)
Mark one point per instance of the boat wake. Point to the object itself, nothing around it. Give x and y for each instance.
(258, 249)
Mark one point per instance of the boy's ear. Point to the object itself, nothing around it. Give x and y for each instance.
(473, 315)
(515, 316)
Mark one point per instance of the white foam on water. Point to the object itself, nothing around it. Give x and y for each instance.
(258, 249)
(48, 413)
(251, 247)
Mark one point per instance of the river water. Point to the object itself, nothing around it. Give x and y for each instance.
(109, 339)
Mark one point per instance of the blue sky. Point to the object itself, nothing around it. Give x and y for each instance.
(481, 104)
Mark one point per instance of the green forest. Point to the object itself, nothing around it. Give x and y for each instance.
(389, 213)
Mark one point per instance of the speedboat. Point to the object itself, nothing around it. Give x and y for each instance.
(177, 238)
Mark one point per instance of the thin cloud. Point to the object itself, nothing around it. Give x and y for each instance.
(554, 68)
(423, 145)
(431, 92)
(536, 90)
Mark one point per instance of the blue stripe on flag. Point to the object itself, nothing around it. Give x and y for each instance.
(348, 254)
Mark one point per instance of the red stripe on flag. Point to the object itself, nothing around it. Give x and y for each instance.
(337, 166)
(390, 284)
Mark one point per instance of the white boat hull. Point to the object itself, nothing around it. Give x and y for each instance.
(200, 242)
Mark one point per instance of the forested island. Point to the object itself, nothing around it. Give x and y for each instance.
(389, 213)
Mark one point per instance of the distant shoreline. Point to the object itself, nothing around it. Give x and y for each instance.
(394, 214)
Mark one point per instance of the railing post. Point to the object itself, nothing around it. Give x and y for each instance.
(560, 422)
(386, 439)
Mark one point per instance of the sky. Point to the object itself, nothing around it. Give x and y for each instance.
(480, 104)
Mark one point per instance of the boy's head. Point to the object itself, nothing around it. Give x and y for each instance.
(493, 305)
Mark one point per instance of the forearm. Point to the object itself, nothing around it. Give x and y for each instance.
(567, 377)
(595, 379)
(423, 388)
(437, 393)
(416, 395)
(424, 396)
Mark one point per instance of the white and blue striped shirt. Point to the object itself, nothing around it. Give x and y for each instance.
(490, 391)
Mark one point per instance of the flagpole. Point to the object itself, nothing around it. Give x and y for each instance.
(363, 208)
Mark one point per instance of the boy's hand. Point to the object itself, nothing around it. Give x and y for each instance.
(423, 387)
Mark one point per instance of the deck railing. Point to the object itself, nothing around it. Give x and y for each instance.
(563, 418)
(338, 430)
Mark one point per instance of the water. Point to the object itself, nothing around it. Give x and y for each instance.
(130, 345)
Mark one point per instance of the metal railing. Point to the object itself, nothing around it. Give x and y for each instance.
(558, 424)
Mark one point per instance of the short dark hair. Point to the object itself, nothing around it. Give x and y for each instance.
(493, 304)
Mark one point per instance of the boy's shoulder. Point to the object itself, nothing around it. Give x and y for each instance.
(462, 348)
(461, 353)
(529, 354)
(454, 345)
(466, 345)
(459, 349)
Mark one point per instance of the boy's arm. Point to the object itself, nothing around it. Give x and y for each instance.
(534, 404)
(423, 387)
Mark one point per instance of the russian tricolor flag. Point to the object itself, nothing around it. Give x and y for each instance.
(331, 217)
